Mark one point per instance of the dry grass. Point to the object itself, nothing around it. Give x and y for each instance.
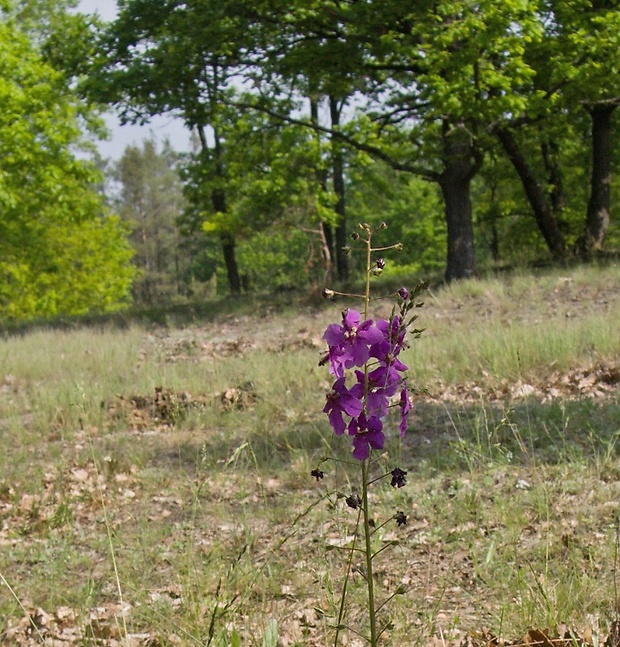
(201, 492)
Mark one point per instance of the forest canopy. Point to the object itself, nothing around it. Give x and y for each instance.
(483, 133)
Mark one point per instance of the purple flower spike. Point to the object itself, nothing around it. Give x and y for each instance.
(360, 410)
(340, 401)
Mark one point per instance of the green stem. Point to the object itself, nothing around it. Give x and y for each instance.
(368, 265)
(343, 597)
(365, 465)
(367, 539)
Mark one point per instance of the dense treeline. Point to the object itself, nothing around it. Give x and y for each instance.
(61, 248)
(512, 100)
(482, 132)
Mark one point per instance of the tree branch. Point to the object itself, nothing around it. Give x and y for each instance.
(372, 150)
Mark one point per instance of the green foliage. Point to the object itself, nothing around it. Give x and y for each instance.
(280, 258)
(414, 213)
(71, 269)
(269, 172)
(150, 199)
(60, 250)
(430, 87)
(582, 51)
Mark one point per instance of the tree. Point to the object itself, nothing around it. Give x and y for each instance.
(61, 251)
(575, 59)
(588, 41)
(435, 87)
(159, 58)
(272, 185)
(539, 191)
(504, 219)
(150, 199)
(599, 204)
(431, 80)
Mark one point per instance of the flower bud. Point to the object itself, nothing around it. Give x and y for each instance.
(355, 501)
(327, 293)
(399, 478)
(383, 225)
(401, 518)
(398, 247)
(380, 263)
(346, 250)
(355, 236)
(403, 293)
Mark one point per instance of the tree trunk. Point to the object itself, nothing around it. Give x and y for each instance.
(218, 199)
(460, 165)
(538, 199)
(342, 263)
(327, 232)
(597, 217)
(551, 154)
(232, 271)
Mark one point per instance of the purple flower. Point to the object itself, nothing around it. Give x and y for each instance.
(387, 350)
(386, 378)
(383, 382)
(405, 408)
(336, 361)
(377, 403)
(342, 400)
(349, 343)
(366, 433)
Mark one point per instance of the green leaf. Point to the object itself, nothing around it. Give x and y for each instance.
(271, 634)
(235, 639)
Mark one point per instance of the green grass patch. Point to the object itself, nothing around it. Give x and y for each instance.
(155, 482)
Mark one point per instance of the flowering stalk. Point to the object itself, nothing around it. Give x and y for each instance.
(372, 616)
(360, 410)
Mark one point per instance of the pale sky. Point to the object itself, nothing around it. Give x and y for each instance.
(122, 136)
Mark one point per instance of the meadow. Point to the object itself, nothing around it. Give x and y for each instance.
(155, 483)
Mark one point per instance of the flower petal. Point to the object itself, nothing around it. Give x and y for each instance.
(337, 422)
(361, 449)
